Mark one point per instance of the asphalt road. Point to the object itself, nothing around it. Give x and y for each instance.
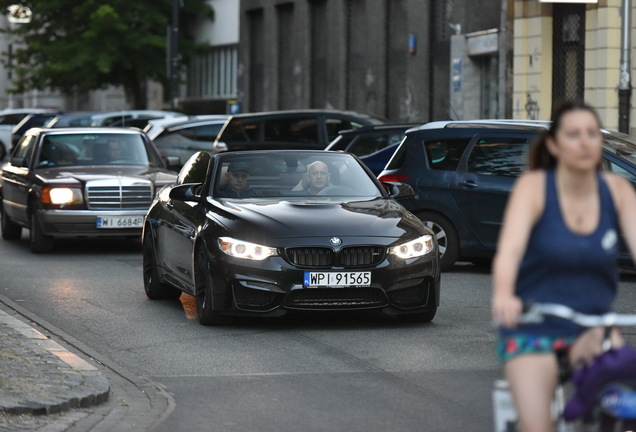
(310, 372)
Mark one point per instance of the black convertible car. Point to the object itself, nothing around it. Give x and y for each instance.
(265, 232)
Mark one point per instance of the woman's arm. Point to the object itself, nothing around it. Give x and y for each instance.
(524, 207)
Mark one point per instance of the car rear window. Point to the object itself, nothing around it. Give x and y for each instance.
(296, 129)
(241, 130)
(444, 154)
(371, 143)
(335, 125)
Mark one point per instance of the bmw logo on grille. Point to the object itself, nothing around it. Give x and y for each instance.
(335, 241)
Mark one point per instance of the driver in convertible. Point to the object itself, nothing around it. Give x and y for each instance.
(237, 182)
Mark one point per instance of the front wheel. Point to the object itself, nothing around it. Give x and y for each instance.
(446, 236)
(10, 230)
(39, 242)
(155, 289)
(203, 290)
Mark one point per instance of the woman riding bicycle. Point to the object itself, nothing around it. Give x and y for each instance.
(558, 244)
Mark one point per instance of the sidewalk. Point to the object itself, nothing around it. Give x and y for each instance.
(39, 376)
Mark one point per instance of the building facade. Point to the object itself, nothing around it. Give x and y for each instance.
(211, 79)
(570, 51)
(389, 58)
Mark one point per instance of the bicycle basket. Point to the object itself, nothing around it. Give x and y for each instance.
(614, 365)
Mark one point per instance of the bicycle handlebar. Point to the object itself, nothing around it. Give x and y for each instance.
(536, 312)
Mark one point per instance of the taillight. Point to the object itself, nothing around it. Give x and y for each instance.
(393, 178)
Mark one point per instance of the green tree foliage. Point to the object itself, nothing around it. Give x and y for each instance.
(76, 46)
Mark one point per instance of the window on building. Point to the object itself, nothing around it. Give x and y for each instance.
(568, 51)
(213, 75)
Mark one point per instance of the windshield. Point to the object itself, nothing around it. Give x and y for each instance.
(291, 175)
(95, 149)
(622, 146)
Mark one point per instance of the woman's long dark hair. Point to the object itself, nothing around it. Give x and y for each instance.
(540, 157)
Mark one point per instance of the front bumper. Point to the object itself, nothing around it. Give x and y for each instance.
(275, 286)
(83, 223)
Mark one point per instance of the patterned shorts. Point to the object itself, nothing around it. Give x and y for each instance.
(512, 346)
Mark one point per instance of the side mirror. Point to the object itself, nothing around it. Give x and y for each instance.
(186, 192)
(173, 162)
(19, 161)
(398, 190)
(219, 146)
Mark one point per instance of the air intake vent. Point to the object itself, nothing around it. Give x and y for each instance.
(336, 298)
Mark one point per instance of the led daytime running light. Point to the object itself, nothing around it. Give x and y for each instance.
(245, 250)
(415, 248)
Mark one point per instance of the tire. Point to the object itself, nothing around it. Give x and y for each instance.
(203, 290)
(3, 151)
(484, 263)
(421, 317)
(39, 242)
(155, 289)
(446, 235)
(10, 230)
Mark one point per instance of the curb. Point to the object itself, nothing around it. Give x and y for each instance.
(38, 376)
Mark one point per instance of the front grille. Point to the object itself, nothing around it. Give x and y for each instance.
(325, 257)
(118, 197)
(336, 298)
(311, 257)
(361, 256)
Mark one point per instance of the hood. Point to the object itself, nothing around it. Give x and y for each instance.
(300, 219)
(82, 174)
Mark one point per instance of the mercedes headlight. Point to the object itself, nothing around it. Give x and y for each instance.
(245, 250)
(62, 196)
(415, 248)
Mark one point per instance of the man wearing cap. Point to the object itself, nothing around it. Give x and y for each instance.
(237, 182)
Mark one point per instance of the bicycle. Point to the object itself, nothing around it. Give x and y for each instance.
(614, 405)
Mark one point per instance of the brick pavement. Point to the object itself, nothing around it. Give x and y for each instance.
(46, 387)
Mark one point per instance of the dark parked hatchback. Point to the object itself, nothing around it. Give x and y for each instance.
(374, 145)
(462, 174)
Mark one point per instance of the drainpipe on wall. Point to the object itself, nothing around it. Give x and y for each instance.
(624, 87)
(503, 61)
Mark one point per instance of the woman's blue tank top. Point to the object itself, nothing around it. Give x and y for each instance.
(560, 266)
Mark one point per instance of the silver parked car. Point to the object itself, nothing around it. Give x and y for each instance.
(183, 137)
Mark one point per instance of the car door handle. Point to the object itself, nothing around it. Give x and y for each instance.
(469, 183)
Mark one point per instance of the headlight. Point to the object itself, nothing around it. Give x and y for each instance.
(246, 250)
(62, 196)
(414, 248)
